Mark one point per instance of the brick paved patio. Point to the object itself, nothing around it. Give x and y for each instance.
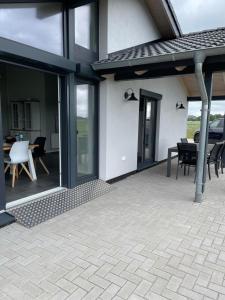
(146, 239)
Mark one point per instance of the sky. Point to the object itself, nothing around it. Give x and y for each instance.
(197, 15)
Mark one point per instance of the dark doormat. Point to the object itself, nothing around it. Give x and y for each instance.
(48, 207)
(6, 219)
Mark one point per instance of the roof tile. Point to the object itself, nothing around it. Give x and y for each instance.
(192, 41)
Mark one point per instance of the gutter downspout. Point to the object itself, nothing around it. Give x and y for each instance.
(199, 59)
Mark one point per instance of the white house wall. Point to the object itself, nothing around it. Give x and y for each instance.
(119, 122)
(125, 24)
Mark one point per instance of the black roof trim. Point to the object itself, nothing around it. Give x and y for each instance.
(174, 16)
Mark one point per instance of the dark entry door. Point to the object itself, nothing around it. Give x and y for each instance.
(147, 131)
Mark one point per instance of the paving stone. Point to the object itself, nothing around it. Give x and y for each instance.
(127, 290)
(136, 297)
(174, 283)
(169, 294)
(66, 285)
(104, 270)
(83, 283)
(74, 273)
(203, 279)
(190, 294)
(154, 245)
(110, 292)
(77, 295)
(153, 296)
(217, 277)
(159, 285)
(96, 280)
(89, 272)
(94, 293)
(205, 292)
(146, 275)
(121, 266)
(218, 288)
(189, 281)
(61, 295)
(131, 277)
(115, 279)
(143, 288)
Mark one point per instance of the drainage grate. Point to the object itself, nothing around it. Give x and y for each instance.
(50, 206)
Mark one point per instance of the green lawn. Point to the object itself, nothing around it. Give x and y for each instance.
(192, 126)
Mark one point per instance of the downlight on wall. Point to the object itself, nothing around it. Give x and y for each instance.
(141, 72)
(180, 68)
(129, 95)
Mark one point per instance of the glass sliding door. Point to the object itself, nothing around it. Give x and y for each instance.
(86, 131)
(30, 114)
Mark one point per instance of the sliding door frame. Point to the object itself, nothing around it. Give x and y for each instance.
(66, 99)
(95, 175)
(2, 177)
(145, 97)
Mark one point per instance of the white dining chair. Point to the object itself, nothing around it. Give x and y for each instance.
(18, 155)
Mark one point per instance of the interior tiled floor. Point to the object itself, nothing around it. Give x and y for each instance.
(24, 187)
(146, 239)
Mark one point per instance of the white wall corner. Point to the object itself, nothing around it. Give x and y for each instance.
(129, 24)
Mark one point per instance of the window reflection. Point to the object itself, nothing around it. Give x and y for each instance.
(85, 26)
(85, 129)
(38, 24)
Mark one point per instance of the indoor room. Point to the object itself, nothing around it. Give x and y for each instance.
(30, 130)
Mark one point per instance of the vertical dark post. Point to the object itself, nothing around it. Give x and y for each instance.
(2, 177)
(68, 106)
(72, 131)
(68, 131)
(209, 87)
(224, 128)
(223, 157)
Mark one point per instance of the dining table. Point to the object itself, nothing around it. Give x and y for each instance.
(174, 150)
(7, 147)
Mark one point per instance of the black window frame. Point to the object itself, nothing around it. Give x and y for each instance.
(69, 68)
(85, 54)
(64, 29)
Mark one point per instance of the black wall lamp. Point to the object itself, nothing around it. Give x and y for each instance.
(180, 105)
(129, 95)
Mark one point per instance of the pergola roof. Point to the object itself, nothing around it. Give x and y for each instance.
(141, 54)
(218, 87)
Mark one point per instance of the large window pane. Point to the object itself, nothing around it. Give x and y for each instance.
(85, 26)
(35, 24)
(85, 129)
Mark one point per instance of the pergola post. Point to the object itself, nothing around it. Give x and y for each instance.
(209, 87)
(199, 59)
(224, 128)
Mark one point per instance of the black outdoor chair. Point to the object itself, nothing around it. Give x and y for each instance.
(215, 158)
(187, 156)
(39, 152)
(223, 157)
(184, 140)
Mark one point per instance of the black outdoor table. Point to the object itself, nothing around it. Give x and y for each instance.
(169, 158)
(175, 150)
